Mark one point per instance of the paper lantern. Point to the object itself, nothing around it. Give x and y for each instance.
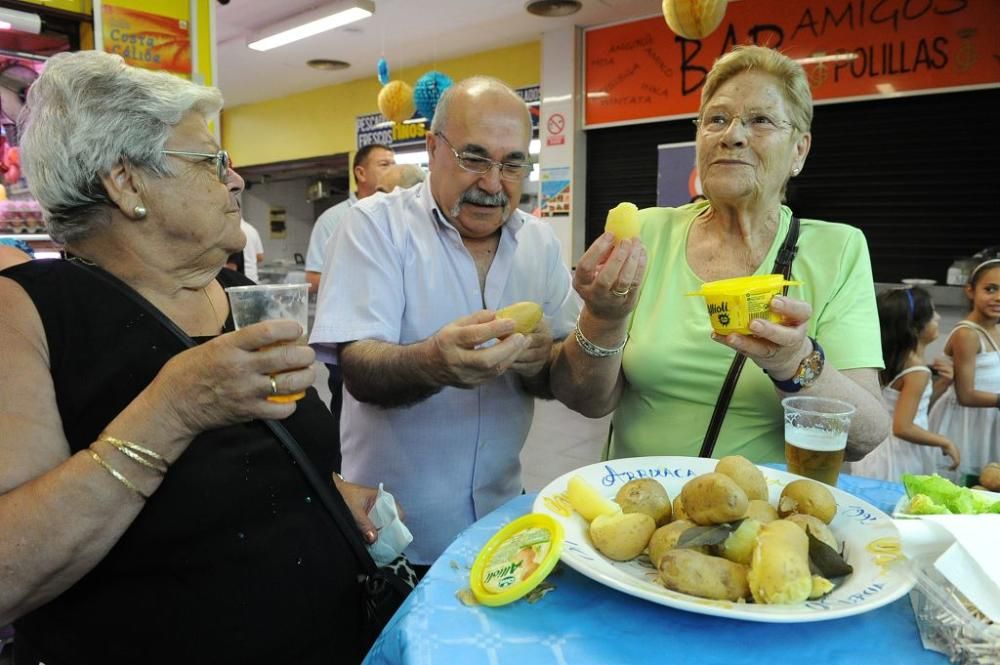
(694, 19)
(428, 91)
(395, 101)
(383, 71)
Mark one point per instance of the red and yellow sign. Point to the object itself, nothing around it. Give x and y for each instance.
(849, 48)
(147, 40)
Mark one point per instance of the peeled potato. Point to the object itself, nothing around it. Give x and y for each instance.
(746, 474)
(807, 497)
(739, 545)
(621, 536)
(588, 501)
(779, 569)
(645, 495)
(623, 221)
(525, 314)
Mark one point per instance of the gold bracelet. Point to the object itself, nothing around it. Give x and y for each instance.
(134, 451)
(118, 476)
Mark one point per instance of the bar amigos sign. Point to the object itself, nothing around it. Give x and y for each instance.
(640, 71)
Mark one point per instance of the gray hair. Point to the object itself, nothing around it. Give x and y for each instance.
(87, 112)
(473, 84)
(794, 83)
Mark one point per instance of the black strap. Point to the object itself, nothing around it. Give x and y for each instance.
(333, 503)
(782, 264)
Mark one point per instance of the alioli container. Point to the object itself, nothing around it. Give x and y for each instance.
(516, 559)
(733, 304)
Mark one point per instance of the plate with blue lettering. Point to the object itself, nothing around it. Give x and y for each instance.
(869, 537)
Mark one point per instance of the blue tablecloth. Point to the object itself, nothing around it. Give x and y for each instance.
(582, 621)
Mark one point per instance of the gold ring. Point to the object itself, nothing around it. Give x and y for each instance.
(622, 294)
(274, 386)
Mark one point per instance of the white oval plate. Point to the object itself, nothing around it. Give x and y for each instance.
(871, 545)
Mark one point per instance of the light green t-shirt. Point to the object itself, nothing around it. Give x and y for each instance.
(674, 369)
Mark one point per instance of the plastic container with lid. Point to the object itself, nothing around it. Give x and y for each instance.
(733, 304)
(516, 559)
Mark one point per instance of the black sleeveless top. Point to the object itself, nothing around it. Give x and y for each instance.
(231, 560)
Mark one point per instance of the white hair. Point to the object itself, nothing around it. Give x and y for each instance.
(473, 85)
(87, 112)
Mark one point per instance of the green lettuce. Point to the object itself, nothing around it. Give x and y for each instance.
(934, 495)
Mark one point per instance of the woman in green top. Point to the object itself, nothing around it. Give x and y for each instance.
(753, 135)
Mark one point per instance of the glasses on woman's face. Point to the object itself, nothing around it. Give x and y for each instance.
(756, 122)
(481, 165)
(221, 158)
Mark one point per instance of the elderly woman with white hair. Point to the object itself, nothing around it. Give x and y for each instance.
(645, 351)
(147, 513)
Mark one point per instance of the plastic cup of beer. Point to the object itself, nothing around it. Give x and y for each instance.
(266, 302)
(816, 436)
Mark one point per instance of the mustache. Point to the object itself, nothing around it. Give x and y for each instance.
(478, 197)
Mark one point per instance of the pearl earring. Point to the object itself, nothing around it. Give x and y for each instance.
(139, 211)
(795, 171)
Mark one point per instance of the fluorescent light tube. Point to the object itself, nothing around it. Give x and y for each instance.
(313, 23)
(11, 19)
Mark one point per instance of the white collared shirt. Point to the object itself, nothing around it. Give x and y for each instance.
(323, 229)
(397, 271)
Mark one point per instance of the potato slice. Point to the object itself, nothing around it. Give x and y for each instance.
(623, 221)
(525, 314)
(587, 501)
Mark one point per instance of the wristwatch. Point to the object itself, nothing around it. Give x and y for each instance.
(807, 373)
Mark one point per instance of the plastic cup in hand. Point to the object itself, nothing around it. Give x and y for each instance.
(816, 436)
(266, 302)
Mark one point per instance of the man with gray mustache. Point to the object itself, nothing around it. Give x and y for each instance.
(439, 392)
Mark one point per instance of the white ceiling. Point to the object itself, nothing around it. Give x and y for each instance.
(405, 32)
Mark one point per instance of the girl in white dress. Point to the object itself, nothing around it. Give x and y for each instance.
(969, 412)
(909, 323)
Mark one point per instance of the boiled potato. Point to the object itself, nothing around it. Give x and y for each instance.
(713, 498)
(623, 221)
(738, 547)
(621, 536)
(779, 568)
(587, 501)
(678, 511)
(989, 477)
(665, 539)
(702, 575)
(525, 314)
(761, 511)
(645, 495)
(745, 474)
(816, 527)
(820, 587)
(807, 497)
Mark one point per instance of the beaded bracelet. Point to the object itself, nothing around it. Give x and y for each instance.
(593, 350)
(137, 453)
(117, 475)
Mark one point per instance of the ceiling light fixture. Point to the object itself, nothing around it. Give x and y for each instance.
(11, 19)
(312, 23)
(550, 8)
(327, 65)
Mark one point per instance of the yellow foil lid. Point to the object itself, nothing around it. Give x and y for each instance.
(516, 559)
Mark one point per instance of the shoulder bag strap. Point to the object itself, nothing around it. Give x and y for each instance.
(334, 504)
(783, 265)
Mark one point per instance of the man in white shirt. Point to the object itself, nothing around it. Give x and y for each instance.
(370, 163)
(439, 393)
(253, 251)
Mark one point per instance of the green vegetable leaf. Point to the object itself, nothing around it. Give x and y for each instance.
(698, 536)
(940, 492)
(825, 559)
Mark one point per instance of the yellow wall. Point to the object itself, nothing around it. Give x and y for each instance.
(322, 121)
